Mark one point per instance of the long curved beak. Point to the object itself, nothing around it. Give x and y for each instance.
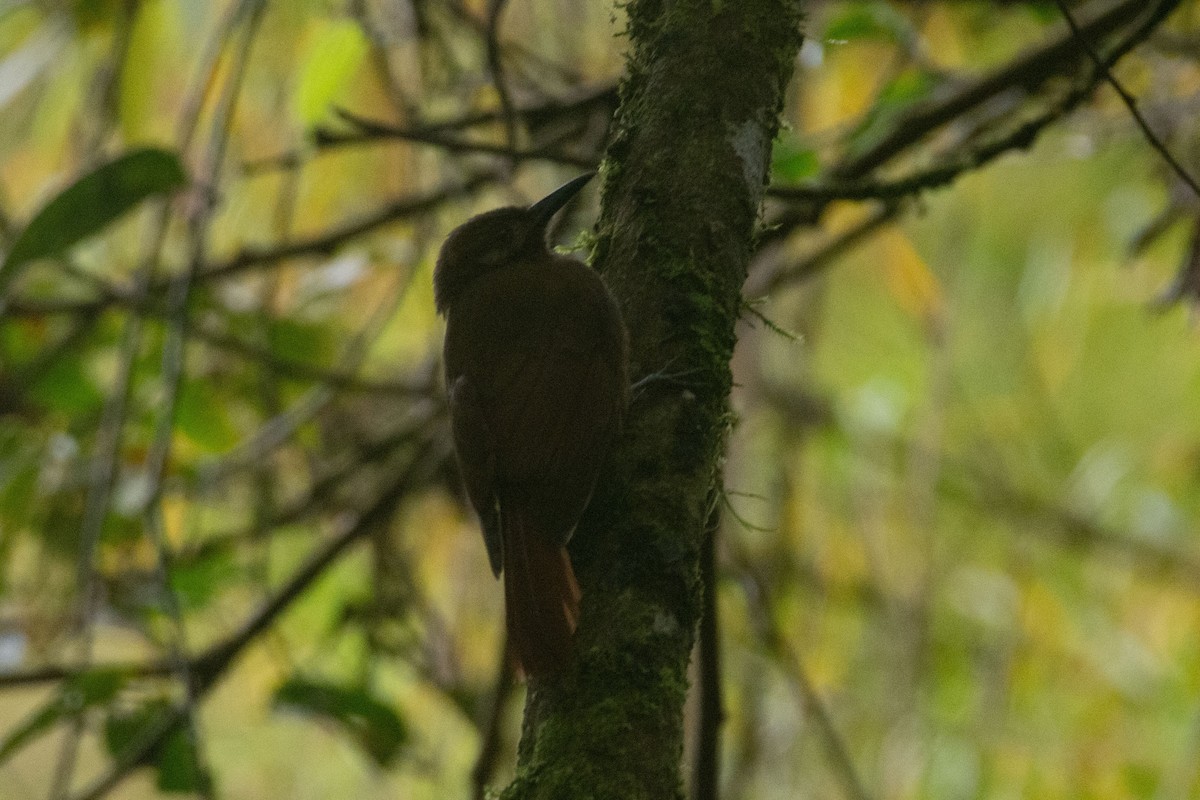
(549, 205)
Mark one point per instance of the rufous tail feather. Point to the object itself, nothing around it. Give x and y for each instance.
(541, 596)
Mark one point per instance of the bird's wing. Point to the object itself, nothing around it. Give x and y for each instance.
(475, 446)
(562, 403)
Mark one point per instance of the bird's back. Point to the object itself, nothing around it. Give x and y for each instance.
(543, 346)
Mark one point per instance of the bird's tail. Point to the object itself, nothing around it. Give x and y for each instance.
(541, 596)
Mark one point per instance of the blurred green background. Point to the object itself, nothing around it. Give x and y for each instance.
(962, 487)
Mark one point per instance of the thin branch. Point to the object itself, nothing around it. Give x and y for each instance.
(782, 653)
(249, 258)
(496, 67)
(1032, 69)
(103, 464)
(323, 243)
(208, 668)
(338, 378)
(1128, 99)
(172, 373)
(371, 131)
(282, 426)
(290, 514)
(1022, 136)
(763, 281)
(437, 134)
(102, 469)
(972, 158)
(493, 730)
(706, 776)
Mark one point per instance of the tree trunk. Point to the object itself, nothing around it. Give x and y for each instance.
(683, 179)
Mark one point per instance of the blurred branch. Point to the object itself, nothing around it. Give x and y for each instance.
(846, 181)
(372, 131)
(764, 279)
(496, 67)
(208, 668)
(281, 427)
(171, 377)
(333, 377)
(982, 483)
(252, 257)
(1020, 137)
(493, 729)
(1029, 71)
(102, 466)
(480, 26)
(780, 650)
(1128, 99)
(327, 485)
(439, 134)
(395, 91)
(99, 112)
(706, 776)
(968, 159)
(211, 665)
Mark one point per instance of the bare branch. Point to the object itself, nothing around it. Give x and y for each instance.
(1128, 99)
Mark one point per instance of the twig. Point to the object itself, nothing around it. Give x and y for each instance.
(496, 67)
(781, 651)
(706, 771)
(436, 133)
(281, 427)
(1021, 136)
(102, 468)
(1128, 99)
(370, 130)
(106, 80)
(172, 370)
(1030, 70)
(215, 662)
(489, 750)
(400, 209)
(252, 257)
(765, 282)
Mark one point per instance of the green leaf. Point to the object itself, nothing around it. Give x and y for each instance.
(201, 416)
(66, 387)
(89, 689)
(895, 99)
(93, 13)
(197, 580)
(93, 202)
(867, 20)
(294, 340)
(373, 724)
(34, 725)
(177, 765)
(793, 161)
(174, 758)
(331, 63)
(1043, 12)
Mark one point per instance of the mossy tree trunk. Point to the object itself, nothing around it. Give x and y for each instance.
(683, 180)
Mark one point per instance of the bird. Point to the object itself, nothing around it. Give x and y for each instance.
(536, 370)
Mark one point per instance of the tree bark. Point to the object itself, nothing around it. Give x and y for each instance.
(683, 179)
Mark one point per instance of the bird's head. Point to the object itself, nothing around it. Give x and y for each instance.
(496, 239)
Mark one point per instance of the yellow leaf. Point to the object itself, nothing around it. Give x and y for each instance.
(909, 279)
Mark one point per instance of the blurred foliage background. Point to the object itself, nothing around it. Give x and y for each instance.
(959, 553)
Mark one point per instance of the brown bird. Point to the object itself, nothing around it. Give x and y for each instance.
(537, 372)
